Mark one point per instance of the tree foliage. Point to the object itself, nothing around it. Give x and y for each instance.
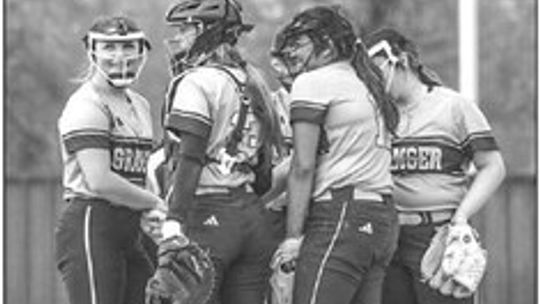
(43, 53)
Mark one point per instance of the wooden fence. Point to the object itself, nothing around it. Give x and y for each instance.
(508, 226)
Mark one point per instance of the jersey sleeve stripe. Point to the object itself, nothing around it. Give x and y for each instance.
(190, 124)
(481, 141)
(194, 115)
(80, 142)
(308, 114)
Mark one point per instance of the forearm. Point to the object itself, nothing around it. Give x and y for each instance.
(483, 186)
(120, 191)
(189, 159)
(300, 187)
(185, 181)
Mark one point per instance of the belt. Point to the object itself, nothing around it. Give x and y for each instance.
(245, 188)
(350, 192)
(413, 218)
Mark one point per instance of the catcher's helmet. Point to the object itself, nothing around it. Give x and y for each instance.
(218, 21)
(325, 27)
(117, 47)
(322, 24)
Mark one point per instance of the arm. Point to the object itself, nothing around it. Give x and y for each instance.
(189, 163)
(95, 164)
(300, 182)
(490, 174)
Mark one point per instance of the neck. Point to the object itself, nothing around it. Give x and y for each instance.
(414, 89)
(102, 84)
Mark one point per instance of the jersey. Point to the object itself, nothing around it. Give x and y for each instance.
(94, 119)
(354, 147)
(437, 138)
(282, 105)
(156, 172)
(206, 102)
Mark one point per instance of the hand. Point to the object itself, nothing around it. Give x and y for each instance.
(287, 252)
(151, 222)
(172, 228)
(162, 206)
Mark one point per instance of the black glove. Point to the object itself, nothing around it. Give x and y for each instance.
(185, 274)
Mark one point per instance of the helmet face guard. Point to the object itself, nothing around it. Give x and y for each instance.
(117, 48)
(383, 49)
(324, 26)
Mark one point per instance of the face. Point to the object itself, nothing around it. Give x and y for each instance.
(297, 54)
(120, 61)
(183, 37)
(389, 72)
(282, 73)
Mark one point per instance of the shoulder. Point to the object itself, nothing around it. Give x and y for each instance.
(449, 96)
(84, 109)
(83, 100)
(138, 99)
(309, 79)
(210, 75)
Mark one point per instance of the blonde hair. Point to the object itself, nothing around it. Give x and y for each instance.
(87, 71)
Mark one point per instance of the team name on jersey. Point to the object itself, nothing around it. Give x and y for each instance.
(129, 158)
(417, 158)
(424, 157)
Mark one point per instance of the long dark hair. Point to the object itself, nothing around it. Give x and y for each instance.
(259, 92)
(327, 28)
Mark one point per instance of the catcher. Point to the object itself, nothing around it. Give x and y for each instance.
(220, 109)
(439, 135)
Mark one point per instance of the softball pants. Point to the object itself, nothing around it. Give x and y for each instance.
(347, 245)
(99, 253)
(242, 235)
(403, 283)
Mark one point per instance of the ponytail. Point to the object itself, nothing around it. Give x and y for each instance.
(371, 75)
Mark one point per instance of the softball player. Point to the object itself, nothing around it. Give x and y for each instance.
(440, 133)
(220, 109)
(342, 225)
(105, 138)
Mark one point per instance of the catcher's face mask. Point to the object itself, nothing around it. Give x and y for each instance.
(179, 45)
(295, 54)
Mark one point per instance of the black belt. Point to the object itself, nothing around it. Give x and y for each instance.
(413, 218)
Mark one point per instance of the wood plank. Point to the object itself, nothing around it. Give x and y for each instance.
(41, 259)
(493, 233)
(16, 243)
(522, 237)
(60, 294)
